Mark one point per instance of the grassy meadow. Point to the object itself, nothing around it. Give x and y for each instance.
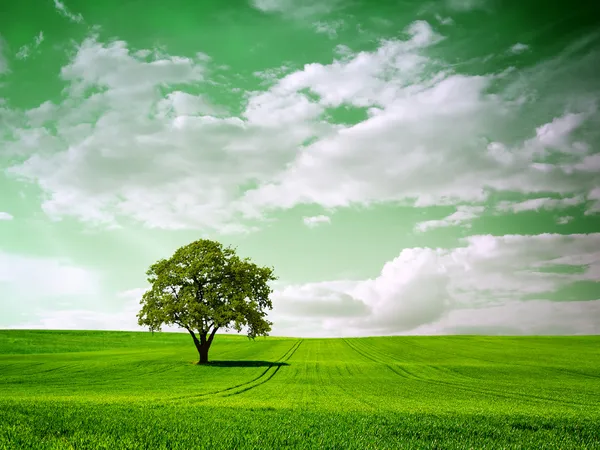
(78, 389)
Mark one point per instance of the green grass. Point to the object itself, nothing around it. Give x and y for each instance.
(72, 389)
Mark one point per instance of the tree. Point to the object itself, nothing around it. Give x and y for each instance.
(205, 287)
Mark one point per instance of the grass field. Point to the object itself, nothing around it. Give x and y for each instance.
(72, 389)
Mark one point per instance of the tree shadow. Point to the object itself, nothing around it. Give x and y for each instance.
(244, 363)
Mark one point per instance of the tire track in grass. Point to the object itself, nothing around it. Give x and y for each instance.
(462, 354)
(486, 391)
(408, 375)
(573, 372)
(364, 355)
(281, 359)
(344, 374)
(403, 374)
(490, 391)
(263, 381)
(418, 370)
(434, 370)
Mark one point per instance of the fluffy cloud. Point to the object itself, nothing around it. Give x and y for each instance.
(422, 138)
(321, 300)
(484, 285)
(127, 150)
(313, 221)
(123, 149)
(6, 216)
(556, 134)
(129, 144)
(463, 215)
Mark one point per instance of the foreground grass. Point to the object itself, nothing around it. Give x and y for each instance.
(137, 390)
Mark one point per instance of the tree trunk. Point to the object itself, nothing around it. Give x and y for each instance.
(203, 344)
(203, 352)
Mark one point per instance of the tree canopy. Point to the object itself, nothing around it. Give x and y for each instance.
(205, 287)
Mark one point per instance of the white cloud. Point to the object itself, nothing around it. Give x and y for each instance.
(590, 163)
(53, 277)
(127, 150)
(6, 216)
(84, 319)
(519, 48)
(320, 300)
(34, 283)
(124, 319)
(444, 20)
(168, 161)
(328, 28)
(556, 133)
(25, 51)
(521, 318)
(64, 11)
(427, 290)
(463, 216)
(129, 146)
(594, 197)
(564, 220)
(357, 81)
(500, 153)
(466, 5)
(296, 9)
(535, 204)
(424, 134)
(313, 221)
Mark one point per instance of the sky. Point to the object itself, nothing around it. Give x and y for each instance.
(407, 167)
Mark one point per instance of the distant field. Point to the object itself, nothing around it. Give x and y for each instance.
(72, 389)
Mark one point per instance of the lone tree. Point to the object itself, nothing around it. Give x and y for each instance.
(205, 287)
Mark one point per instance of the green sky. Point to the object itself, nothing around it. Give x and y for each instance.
(406, 166)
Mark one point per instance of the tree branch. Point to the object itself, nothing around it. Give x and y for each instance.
(179, 322)
(212, 335)
(193, 336)
(199, 290)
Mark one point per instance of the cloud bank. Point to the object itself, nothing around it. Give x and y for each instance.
(493, 284)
